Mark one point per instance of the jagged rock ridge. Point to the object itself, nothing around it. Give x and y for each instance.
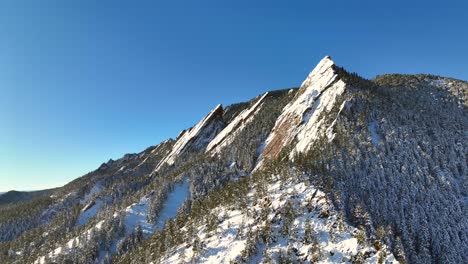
(196, 137)
(301, 120)
(226, 135)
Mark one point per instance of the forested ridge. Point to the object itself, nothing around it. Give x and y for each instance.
(365, 171)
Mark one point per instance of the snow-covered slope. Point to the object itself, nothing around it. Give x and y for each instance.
(137, 214)
(70, 245)
(174, 201)
(302, 118)
(133, 216)
(89, 211)
(332, 240)
(226, 135)
(196, 137)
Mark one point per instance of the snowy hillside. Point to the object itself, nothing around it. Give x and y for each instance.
(340, 170)
(291, 221)
(134, 217)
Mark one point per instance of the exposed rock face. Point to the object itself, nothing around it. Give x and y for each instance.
(301, 118)
(197, 137)
(226, 135)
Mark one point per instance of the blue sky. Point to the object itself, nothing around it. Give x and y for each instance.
(85, 81)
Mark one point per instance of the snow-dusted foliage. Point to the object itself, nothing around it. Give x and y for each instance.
(399, 155)
(289, 221)
(72, 244)
(120, 229)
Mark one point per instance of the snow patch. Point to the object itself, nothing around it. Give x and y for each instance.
(89, 211)
(372, 127)
(174, 201)
(137, 214)
(329, 132)
(438, 83)
(232, 165)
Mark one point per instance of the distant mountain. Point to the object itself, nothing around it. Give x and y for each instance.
(18, 196)
(341, 169)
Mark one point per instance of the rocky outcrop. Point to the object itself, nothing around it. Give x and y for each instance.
(302, 120)
(197, 137)
(227, 134)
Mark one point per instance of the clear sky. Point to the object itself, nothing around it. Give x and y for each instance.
(85, 81)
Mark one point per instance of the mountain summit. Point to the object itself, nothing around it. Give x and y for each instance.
(341, 169)
(302, 119)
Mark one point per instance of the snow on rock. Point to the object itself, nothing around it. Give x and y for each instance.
(227, 134)
(90, 210)
(198, 136)
(153, 152)
(157, 147)
(329, 132)
(302, 119)
(97, 188)
(335, 238)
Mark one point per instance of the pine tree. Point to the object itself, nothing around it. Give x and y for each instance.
(398, 250)
(197, 248)
(288, 218)
(139, 234)
(182, 255)
(308, 232)
(266, 233)
(284, 257)
(250, 245)
(315, 251)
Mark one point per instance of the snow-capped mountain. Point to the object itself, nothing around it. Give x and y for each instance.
(341, 169)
